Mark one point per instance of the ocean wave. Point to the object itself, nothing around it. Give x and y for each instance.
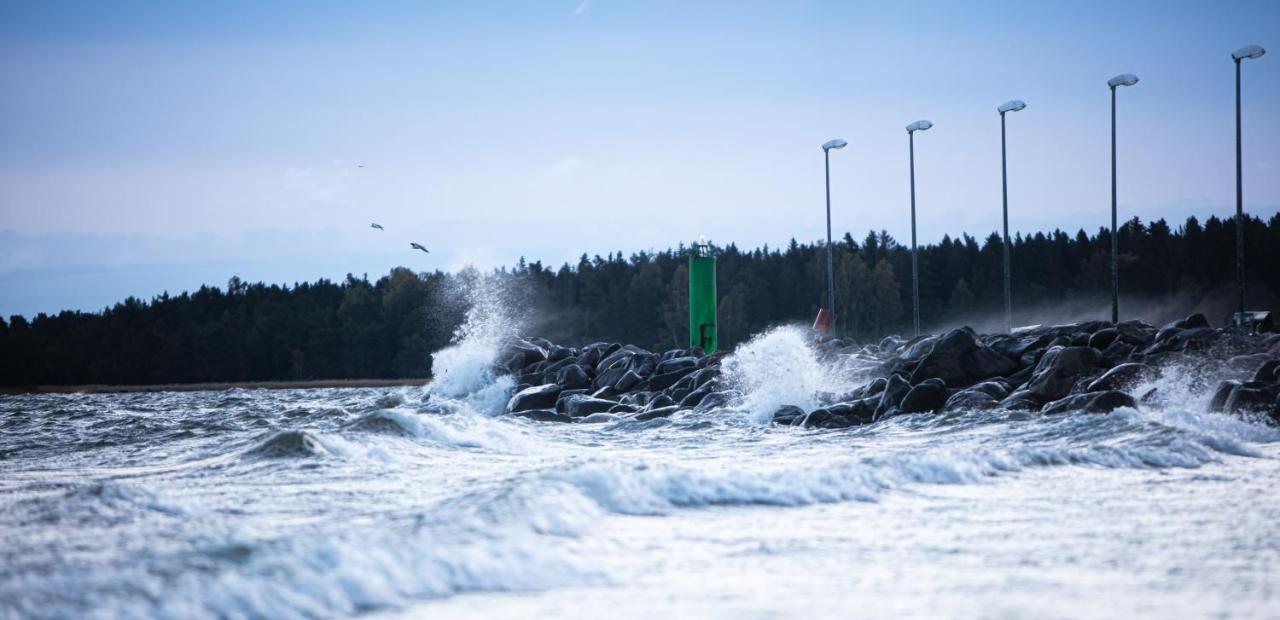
(290, 445)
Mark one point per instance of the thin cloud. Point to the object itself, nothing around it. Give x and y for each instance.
(582, 8)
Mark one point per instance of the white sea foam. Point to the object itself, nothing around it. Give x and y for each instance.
(464, 371)
(778, 368)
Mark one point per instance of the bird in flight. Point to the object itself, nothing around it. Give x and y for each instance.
(376, 225)
(418, 247)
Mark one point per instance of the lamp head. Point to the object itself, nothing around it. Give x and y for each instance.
(834, 144)
(1012, 105)
(1248, 51)
(919, 125)
(1124, 79)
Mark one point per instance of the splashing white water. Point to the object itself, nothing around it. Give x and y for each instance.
(779, 368)
(465, 369)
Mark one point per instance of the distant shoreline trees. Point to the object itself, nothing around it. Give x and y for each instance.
(357, 329)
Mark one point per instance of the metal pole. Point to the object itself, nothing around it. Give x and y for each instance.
(915, 266)
(831, 281)
(1004, 185)
(1239, 205)
(1115, 240)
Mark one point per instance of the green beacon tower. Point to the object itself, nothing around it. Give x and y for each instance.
(702, 297)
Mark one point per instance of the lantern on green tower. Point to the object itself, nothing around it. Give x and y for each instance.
(702, 297)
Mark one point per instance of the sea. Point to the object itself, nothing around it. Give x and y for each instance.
(427, 503)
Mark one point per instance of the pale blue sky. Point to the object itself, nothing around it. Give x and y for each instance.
(149, 146)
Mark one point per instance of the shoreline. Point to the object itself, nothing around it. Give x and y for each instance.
(15, 390)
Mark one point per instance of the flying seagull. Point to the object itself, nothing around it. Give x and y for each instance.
(376, 225)
(419, 247)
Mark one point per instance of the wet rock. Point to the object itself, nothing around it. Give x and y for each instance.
(787, 415)
(1060, 369)
(959, 359)
(1022, 400)
(651, 414)
(563, 400)
(517, 354)
(556, 354)
(1093, 402)
(930, 395)
(666, 380)
(694, 397)
(895, 390)
(659, 401)
(607, 393)
(677, 364)
(1219, 401)
(629, 380)
(1103, 338)
(711, 401)
(622, 408)
(875, 387)
(582, 406)
(1116, 353)
(542, 415)
(1193, 321)
(1252, 397)
(573, 377)
(1269, 371)
(826, 418)
(1123, 376)
(971, 399)
(536, 397)
(609, 377)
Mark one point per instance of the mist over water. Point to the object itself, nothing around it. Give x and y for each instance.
(339, 502)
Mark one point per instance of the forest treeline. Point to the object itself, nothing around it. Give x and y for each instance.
(386, 328)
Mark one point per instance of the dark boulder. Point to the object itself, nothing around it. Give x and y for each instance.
(895, 390)
(1135, 332)
(1116, 353)
(675, 364)
(517, 354)
(556, 354)
(1022, 400)
(1252, 397)
(826, 418)
(971, 399)
(659, 412)
(666, 380)
(573, 377)
(581, 406)
(1193, 321)
(542, 415)
(1092, 402)
(959, 359)
(1268, 372)
(1059, 370)
(694, 398)
(659, 401)
(787, 415)
(628, 380)
(537, 397)
(1103, 338)
(1219, 401)
(1124, 376)
(929, 395)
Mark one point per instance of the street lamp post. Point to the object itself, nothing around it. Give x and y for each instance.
(1248, 51)
(1013, 105)
(831, 280)
(1125, 79)
(920, 125)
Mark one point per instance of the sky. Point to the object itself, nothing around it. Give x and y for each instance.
(157, 146)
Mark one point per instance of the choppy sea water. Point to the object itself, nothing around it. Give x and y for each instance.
(405, 502)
